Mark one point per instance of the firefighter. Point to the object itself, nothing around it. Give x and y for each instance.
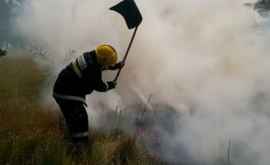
(80, 78)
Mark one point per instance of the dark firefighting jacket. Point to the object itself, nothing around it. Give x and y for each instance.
(80, 78)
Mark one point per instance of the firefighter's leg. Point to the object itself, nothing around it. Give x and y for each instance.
(78, 126)
(76, 119)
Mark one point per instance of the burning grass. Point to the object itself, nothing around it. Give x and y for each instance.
(30, 133)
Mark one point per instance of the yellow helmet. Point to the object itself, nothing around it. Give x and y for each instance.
(106, 55)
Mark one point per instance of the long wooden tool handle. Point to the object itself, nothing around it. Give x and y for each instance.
(126, 55)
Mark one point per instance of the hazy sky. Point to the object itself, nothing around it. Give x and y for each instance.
(8, 12)
(5, 20)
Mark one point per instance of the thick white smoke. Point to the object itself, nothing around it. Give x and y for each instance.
(206, 59)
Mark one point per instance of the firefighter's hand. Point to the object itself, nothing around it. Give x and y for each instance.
(120, 65)
(111, 84)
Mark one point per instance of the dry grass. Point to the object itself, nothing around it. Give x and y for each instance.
(29, 134)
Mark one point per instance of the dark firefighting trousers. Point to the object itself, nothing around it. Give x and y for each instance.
(76, 119)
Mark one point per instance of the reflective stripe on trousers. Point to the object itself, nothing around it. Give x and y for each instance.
(80, 135)
(69, 97)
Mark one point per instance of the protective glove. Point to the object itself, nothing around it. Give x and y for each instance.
(119, 65)
(111, 84)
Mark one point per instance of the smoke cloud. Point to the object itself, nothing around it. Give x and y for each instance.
(207, 60)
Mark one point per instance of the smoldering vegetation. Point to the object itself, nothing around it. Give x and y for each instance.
(159, 126)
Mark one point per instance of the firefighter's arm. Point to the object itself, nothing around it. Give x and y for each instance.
(103, 87)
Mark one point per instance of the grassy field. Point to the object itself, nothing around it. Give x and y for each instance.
(30, 133)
